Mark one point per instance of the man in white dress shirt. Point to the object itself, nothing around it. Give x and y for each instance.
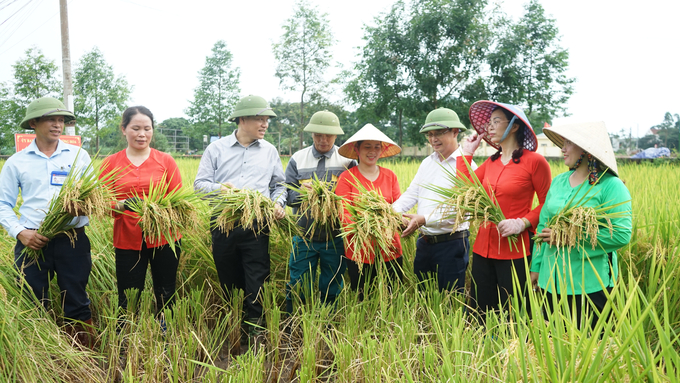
(442, 250)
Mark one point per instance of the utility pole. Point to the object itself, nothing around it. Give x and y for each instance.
(66, 64)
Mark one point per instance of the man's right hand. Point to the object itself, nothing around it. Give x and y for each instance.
(32, 240)
(227, 186)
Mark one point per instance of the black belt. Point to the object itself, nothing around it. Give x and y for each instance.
(71, 232)
(433, 239)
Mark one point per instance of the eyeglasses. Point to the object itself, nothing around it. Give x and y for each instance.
(496, 121)
(436, 133)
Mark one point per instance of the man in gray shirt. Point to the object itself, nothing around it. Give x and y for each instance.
(244, 160)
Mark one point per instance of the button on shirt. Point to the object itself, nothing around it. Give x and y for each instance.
(432, 171)
(30, 171)
(255, 167)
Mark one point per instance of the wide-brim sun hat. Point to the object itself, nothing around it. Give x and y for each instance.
(324, 122)
(369, 133)
(480, 115)
(442, 118)
(43, 107)
(589, 136)
(251, 106)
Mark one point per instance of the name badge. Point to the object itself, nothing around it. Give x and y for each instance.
(58, 178)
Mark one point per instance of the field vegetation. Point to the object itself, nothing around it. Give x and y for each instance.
(410, 334)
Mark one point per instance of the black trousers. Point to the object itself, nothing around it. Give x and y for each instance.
(582, 306)
(359, 279)
(242, 262)
(72, 265)
(131, 273)
(492, 283)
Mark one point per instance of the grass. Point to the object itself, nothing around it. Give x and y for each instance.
(407, 335)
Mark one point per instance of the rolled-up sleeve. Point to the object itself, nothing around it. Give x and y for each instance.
(205, 177)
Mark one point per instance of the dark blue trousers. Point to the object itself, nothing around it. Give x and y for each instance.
(447, 261)
(72, 266)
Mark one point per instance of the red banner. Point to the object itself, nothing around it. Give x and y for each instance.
(21, 141)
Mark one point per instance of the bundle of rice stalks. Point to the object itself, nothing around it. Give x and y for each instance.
(82, 193)
(321, 205)
(468, 201)
(165, 214)
(250, 210)
(576, 223)
(373, 224)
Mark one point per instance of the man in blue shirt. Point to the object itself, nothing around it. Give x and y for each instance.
(39, 171)
(244, 160)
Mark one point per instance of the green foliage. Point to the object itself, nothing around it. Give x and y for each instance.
(285, 122)
(667, 133)
(35, 76)
(528, 67)
(425, 54)
(421, 55)
(216, 95)
(100, 96)
(303, 55)
(187, 129)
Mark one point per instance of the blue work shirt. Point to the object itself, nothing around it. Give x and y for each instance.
(31, 171)
(255, 167)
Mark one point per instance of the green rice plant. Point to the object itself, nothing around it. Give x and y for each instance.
(468, 201)
(82, 193)
(321, 205)
(166, 214)
(372, 224)
(250, 210)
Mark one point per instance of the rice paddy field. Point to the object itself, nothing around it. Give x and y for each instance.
(410, 334)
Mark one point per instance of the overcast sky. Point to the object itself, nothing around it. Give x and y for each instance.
(624, 57)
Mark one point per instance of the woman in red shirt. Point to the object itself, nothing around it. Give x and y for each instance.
(368, 145)
(140, 165)
(515, 173)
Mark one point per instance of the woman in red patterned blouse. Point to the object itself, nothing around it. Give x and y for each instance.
(514, 174)
(139, 166)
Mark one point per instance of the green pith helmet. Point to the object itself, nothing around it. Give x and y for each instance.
(324, 122)
(251, 106)
(46, 106)
(442, 118)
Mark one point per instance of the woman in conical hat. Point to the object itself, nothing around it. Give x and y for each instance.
(582, 270)
(513, 176)
(368, 145)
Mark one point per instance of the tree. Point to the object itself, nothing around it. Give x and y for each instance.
(528, 67)
(35, 76)
(217, 93)
(303, 54)
(381, 87)
(667, 132)
(420, 56)
(100, 96)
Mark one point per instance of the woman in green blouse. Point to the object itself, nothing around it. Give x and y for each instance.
(581, 270)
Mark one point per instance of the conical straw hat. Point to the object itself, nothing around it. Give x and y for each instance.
(589, 136)
(369, 133)
(480, 114)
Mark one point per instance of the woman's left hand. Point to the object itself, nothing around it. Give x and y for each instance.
(508, 227)
(544, 235)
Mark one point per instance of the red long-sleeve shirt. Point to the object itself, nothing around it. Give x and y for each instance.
(514, 186)
(388, 186)
(136, 179)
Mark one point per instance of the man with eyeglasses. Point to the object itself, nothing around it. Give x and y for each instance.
(244, 160)
(38, 174)
(442, 250)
